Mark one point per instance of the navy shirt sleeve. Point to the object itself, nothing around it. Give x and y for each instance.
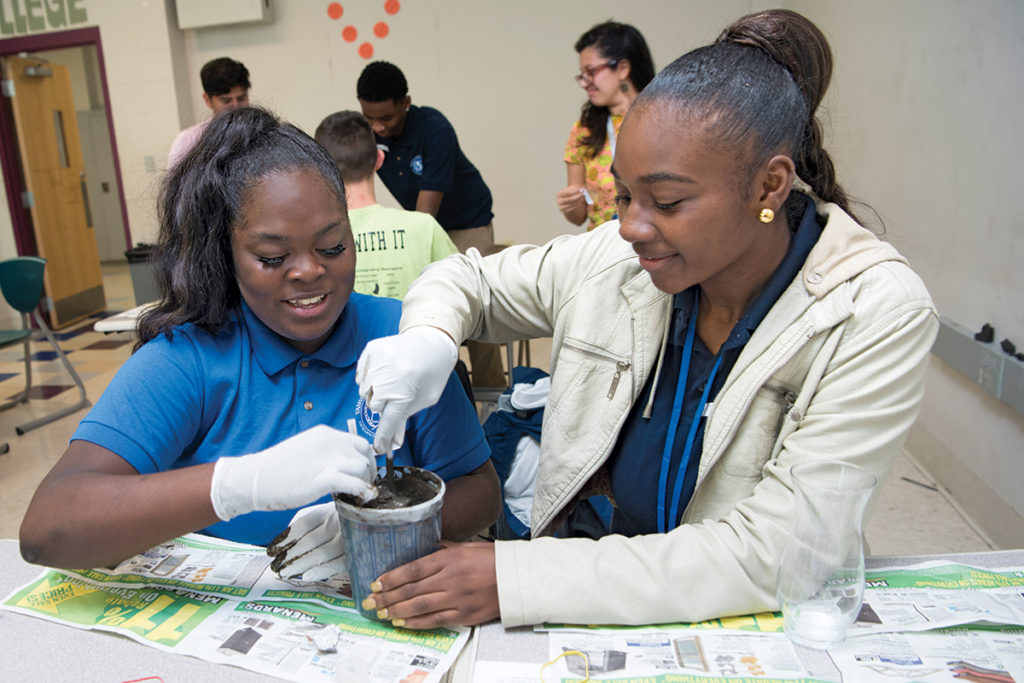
(440, 149)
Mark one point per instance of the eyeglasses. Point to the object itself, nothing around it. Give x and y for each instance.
(588, 72)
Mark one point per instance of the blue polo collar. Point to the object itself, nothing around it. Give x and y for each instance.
(273, 353)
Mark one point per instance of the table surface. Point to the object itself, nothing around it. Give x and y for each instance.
(97, 655)
(122, 322)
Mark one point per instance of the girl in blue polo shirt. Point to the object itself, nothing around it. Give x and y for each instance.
(239, 405)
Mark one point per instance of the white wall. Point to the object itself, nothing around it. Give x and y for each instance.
(501, 72)
(925, 116)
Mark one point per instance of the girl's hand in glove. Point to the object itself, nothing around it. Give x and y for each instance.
(401, 375)
(312, 546)
(295, 472)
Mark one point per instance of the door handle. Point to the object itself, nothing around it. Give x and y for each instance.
(85, 199)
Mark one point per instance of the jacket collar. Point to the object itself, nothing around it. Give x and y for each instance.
(844, 251)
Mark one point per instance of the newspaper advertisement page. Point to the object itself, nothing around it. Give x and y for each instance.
(215, 566)
(935, 621)
(918, 597)
(993, 654)
(291, 639)
(684, 655)
(937, 594)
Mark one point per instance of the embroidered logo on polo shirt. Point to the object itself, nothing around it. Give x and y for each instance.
(368, 420)
(417, 165)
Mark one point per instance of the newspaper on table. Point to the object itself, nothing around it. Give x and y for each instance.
(220, 601)
(214, 566)
(933, 621)
(932, 595)
(995, 654)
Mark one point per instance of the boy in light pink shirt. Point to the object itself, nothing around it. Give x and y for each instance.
(225, 86)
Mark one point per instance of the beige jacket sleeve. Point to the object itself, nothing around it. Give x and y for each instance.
(724, 559)
(514, 294)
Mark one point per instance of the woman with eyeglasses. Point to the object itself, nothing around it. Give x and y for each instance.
(615, 65)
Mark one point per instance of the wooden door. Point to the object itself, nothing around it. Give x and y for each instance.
(54, 173)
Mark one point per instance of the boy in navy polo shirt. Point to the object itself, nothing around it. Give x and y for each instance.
(425, 169)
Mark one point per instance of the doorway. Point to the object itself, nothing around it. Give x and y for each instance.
(99, 187)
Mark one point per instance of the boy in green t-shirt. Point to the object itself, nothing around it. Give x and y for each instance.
(392, 245)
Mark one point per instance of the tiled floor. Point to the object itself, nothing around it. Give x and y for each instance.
(911, 515)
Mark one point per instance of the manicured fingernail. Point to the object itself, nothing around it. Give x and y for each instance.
(398, 622)
(376, 587)
(382, 613)
(369, 603)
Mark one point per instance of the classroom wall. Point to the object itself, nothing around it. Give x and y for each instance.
(923, 119)
(501, 72)
(926, 117)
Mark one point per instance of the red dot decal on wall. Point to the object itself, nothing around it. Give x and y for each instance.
(350, 33)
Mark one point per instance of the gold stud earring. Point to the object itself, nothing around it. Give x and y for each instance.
(766, 215)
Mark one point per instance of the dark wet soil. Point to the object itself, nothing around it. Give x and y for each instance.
(408, 488)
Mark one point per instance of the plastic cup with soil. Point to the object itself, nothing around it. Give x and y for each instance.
(401, 525)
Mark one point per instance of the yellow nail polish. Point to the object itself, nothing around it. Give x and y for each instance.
(398, 622)
(376, 587)
(382, 613)
(369, 603)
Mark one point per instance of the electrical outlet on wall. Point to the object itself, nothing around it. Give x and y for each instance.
(150, 163)
(990, 371)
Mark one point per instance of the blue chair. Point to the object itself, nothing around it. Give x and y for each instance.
(21, 280)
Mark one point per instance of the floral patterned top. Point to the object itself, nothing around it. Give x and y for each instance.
(597, 172)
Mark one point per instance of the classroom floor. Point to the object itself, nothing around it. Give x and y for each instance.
(912, 516)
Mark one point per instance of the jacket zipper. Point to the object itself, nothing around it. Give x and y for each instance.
(620, 365)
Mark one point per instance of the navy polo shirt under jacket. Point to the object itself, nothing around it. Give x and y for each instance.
(427, 156)
(635, 464)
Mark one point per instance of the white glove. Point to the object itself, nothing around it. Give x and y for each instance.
(401, 375)
(294, 473)
(312, 546)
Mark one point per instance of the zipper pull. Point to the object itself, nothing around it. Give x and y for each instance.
(619, 367)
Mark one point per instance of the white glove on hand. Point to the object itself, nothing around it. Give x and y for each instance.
(401, 375)
(295, 472)
(312, 546)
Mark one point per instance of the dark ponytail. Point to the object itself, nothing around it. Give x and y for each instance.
(797, 44)
(201, 201)
(614, 41)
